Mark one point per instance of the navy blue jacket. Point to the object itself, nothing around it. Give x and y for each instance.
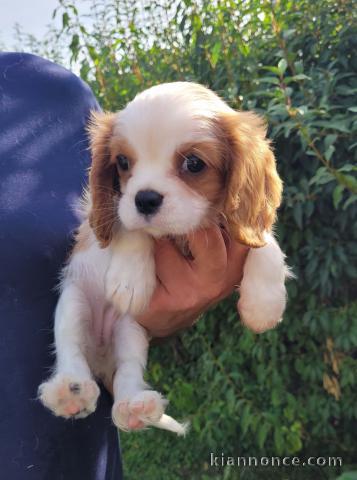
(43, 161)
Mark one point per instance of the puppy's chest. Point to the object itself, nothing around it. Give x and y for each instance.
(125, 285)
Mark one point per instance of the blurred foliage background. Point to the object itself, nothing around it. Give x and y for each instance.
(290, 391)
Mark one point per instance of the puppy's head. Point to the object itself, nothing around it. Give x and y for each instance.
(177, 158)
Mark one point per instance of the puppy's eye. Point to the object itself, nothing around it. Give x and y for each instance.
(193, 164)
(123, 162)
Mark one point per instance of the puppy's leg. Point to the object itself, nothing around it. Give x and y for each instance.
(71, 390)
(130, 280)
(135, 404)
(262, 291)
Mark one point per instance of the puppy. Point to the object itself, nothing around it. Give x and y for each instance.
(176, 159)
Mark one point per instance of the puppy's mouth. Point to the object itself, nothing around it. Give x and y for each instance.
(153, 225)
(156, 224)
(158, 214)
(150, 224)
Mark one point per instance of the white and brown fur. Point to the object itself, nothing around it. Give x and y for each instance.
(110, 276)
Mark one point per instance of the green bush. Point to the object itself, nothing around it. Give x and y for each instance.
(289, 391)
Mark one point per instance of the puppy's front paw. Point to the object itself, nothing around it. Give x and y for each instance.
(129, 287)
(143, 409)
(69, 397)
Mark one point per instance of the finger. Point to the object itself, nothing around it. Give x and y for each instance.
(150, 316)
(171, 266)
(209, 252)
(236, 255)
(236, 250)
(175, 324)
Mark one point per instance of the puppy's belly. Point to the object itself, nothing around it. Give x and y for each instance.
(102, 364)
(99, 335)
(104, 317)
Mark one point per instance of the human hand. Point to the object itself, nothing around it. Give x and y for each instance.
(187, 287)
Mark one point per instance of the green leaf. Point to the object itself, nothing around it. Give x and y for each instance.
(272, 69)
(348, 476)
(216, 50)
(282, 66)
(353, 109)
(297, 78)
(337, 195)
(297, 214)
(279, 109)
(295, 239)
(330, 140)
(278, 440)
(65, 20)
(74, 43)
(275, 397)
(346, 90)
(348, 168)
(299, 66)
(348, 180)
(289, 33)
(273, 80)
(73, 8)
(352, 199)
(246, 419)
(263, 433)
(321, 177)
(334, 125)
(329, 152)
(303, 109)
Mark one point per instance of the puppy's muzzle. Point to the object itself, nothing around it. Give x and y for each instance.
(148, 201)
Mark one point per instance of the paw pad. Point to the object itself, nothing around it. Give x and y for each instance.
(68, 398)
(143, 408)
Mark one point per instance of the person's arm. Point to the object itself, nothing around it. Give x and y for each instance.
(187, 287)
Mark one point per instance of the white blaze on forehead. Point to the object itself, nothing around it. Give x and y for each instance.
(161, 119)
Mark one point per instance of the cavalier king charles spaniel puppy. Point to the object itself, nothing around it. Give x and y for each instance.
(174, 160)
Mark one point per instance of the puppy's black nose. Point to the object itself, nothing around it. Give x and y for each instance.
(148, 201)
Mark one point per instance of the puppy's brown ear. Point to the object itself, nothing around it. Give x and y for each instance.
(102, 177)
(253, 185)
